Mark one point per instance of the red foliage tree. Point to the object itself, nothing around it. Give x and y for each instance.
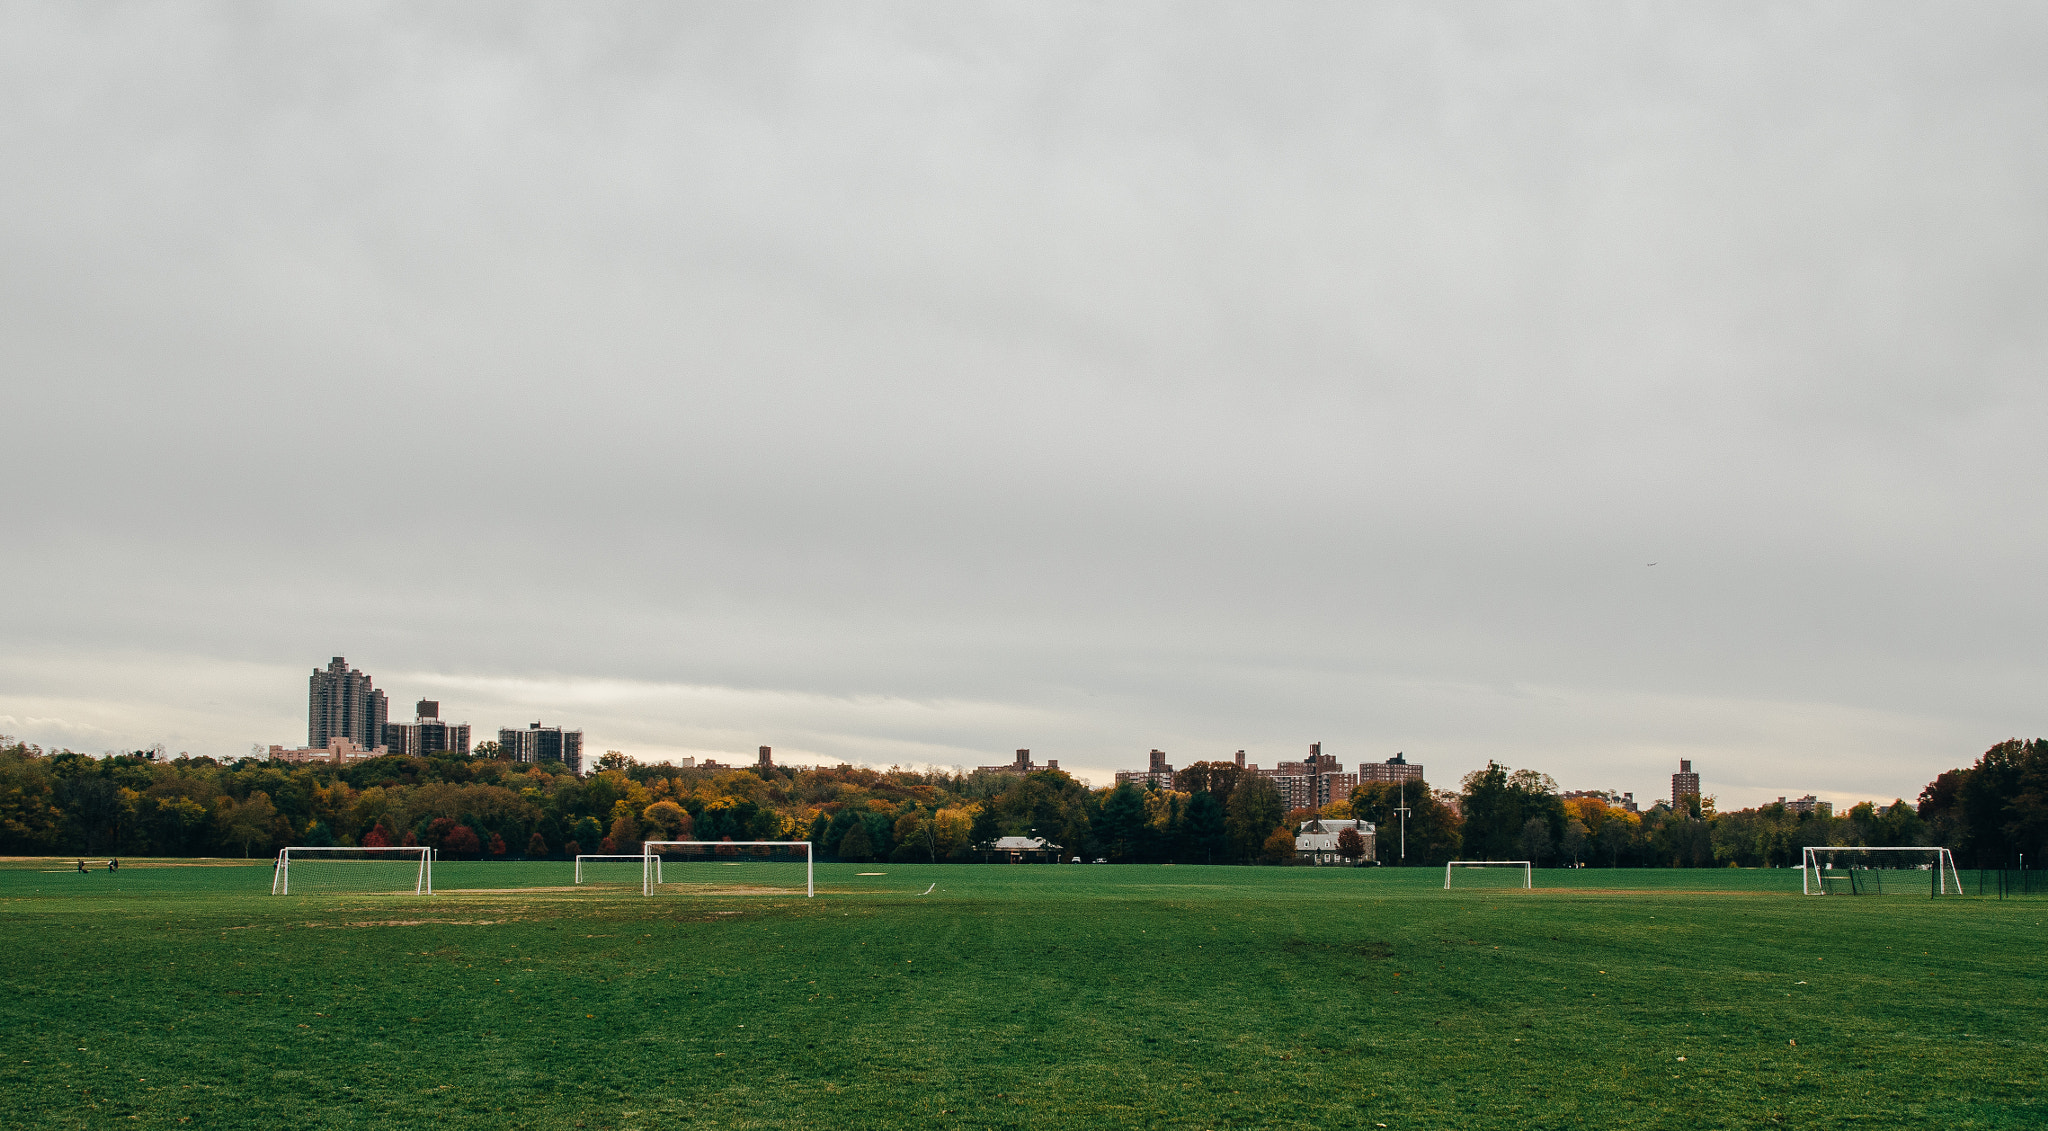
(461, 840)
(537, 846)
(497, 845)
(379, 837)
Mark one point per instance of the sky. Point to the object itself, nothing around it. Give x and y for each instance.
(1578, 386)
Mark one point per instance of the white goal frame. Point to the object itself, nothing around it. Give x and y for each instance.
(281, 874)
(615, 856)
(650, 858)
(1811, 883)
(1527, 878)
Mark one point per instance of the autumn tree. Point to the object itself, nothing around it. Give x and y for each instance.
(1278, 847)
(1350, 845)
(461, 840)
(625, 830)
(668, 819)
(246, 822)
(1218, 779)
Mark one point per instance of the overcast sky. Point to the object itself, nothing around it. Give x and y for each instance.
(914, 383)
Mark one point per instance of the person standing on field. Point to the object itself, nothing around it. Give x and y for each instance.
(113, 865)
(81, 867)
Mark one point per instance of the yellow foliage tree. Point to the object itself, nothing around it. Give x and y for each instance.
(669, 819)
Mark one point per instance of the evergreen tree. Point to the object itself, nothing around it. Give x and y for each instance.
(1123, 823)
(1254, 811)
(1207, 834)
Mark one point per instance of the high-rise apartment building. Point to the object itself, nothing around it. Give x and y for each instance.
(543, 744)
(1396, 768)
(1684, 784)
(1809, 804)
(1157, 772)
(427, 734)
(340, 703)
(1313, 782)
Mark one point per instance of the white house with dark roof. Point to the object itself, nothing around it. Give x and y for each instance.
(1021, 849)
(1316, 843)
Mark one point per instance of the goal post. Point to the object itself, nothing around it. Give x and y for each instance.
(1527, 875)
(728, 866)
(355, 869)
(591, 867)
(1817, 861)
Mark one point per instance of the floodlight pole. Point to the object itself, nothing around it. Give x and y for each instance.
(1403, 810)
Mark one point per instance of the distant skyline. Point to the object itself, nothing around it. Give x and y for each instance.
(900, 384)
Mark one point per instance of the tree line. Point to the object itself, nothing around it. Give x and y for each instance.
(484, 807)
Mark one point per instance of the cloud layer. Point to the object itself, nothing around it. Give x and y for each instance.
(900, 384)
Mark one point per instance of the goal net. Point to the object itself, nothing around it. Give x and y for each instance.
(1878, 870)
(352, 871)
(727, 867)
(609, 868)
(1488, 874)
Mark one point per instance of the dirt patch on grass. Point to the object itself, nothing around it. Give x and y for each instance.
(1640, 891)
(99, 863)
(509, 891)
(413, 923)
(708, 890)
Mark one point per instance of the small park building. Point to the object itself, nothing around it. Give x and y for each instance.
(1316, 843)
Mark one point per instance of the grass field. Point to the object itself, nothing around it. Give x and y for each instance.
(1015, 997)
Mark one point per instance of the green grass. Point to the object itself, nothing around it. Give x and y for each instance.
(1015, 997)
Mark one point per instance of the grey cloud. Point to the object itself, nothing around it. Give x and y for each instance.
(1199, 377)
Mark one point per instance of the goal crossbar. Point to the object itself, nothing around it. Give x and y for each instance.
(281, 872)
(1527, 876)
(1810, 879)
(651, 850)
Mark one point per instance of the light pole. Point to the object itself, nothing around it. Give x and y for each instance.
(1403, 810)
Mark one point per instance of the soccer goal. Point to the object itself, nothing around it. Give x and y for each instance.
(728, 867)
(609, 868)
(352, 870)
(1496, 872)
(1866, 870)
